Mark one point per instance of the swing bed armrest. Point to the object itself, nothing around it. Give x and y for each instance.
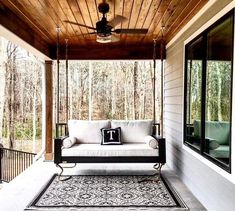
(57, 149)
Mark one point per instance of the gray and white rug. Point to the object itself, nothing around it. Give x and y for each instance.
(106, 191)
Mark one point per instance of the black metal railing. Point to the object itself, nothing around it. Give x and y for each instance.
(61, 129)
(13, 162)
(156, 129)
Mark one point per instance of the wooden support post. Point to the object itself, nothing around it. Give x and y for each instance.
(49, 110)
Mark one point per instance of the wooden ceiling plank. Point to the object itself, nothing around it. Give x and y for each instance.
(174, 9)
(161, 13)
(119, 9)
(162, 10)
(24, 14)
(93, 23)
(86, 20)
(182, 18)
(58, 15)
(142, 18)
(61, 23)
(153, 13)
(136, 9)
(144, 12)
(45, 12)
(41, 16)
(151, 16)
(127, 11)
(65, 14)
(136, 14)
(118, 6)
(70, 16)
(75, 13)
(52, 16)
(22, 29)
(93, 11)
(97, 11)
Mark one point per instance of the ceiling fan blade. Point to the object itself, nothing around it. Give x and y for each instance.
(116, 20)
(79, 35)
(115, 38)
(79, 24)
(130, 31)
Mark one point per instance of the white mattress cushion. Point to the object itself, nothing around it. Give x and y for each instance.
(87, 131)
(134, 130)
(97, 150)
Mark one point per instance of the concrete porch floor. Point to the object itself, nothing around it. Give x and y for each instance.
(16, 195)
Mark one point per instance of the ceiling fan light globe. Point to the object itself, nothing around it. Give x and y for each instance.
(103, 39)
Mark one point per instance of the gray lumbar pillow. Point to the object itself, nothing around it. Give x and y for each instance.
(213, 144)
(69, 142)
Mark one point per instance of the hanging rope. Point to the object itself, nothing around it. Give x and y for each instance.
(58, 75)
(154, 82)
(66, 68)
(162, 69)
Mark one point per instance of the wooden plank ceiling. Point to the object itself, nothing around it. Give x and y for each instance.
(35, 21)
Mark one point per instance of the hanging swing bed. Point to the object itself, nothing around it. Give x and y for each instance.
(97, 142)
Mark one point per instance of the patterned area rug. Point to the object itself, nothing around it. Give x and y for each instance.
(106, 191)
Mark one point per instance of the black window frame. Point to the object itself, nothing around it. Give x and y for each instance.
(204, 34)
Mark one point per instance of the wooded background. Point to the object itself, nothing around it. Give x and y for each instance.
(20, 98)
(218, 90)
(108, 90)
(96, 90)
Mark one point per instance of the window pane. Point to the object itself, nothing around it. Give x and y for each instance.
(194, 84)
(218, 91)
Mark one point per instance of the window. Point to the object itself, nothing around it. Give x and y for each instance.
(208, 88)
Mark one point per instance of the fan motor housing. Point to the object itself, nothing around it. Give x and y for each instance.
(103, 29)
(103, 8)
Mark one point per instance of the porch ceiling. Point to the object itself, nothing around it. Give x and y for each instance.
(35, 21)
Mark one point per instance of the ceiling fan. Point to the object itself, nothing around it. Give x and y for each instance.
(104, 29)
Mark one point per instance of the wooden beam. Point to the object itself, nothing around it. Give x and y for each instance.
(109, 52)
(49, 107)
(20, 28)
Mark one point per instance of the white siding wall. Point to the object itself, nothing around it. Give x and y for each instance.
(212, 189)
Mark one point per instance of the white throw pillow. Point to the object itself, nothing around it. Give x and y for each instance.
(69, 142)
(133, 131)
(151, 142)
(87, 132)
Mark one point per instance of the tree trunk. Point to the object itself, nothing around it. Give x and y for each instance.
(2, 85)
(34, 118)
(90, 90)
(135, 90)
(114, 83)
(208, 97)
(219, 84)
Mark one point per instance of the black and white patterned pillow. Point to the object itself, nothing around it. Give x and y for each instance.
(111, 136)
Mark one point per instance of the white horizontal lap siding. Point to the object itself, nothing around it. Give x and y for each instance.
(212, 189)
